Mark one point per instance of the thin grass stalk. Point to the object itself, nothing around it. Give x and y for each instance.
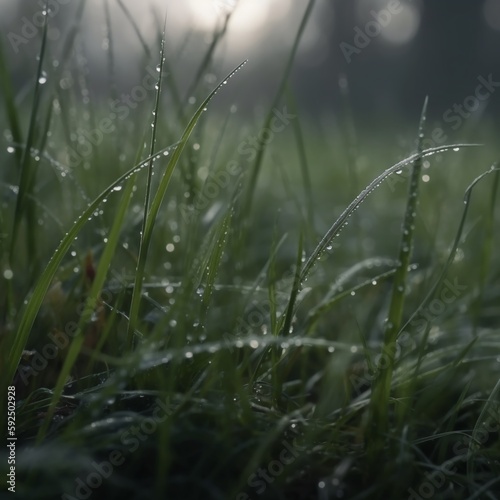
(487, 251)
(150, 218)
(303, 163)
(27, 176)
(379, 404)
(143, 245)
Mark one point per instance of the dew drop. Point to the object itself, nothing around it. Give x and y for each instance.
(8, 274)
(43, 78)
(10, 149)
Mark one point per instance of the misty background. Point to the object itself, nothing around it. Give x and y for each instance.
(383, 73)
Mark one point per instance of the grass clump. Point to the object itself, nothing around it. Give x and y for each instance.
(184, 341)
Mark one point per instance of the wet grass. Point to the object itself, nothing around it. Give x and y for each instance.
(182, 319)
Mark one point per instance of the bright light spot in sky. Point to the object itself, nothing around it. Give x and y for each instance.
(403, 25)
(491, 12)
(248, 15)
(396, 22)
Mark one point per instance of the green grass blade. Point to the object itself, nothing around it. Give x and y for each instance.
(484, 421)
(214, 261)
(28, 170)
(156, 203)
(487, 251)
(32, 304)
(134, 307)
(354, 205)
(91, 302)
(304, 166)
(432, 292)
(381, 392)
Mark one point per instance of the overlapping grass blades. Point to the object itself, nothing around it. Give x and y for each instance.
(33, 302)
(91, 302)
(150, 216)
(336, 227)
(378, 420)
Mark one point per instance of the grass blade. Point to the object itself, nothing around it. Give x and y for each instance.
(156, 203)
(27, 178)
(90, 303)
(12, 354)
(354, 205)
(378, 420)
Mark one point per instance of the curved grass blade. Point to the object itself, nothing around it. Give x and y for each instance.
(431, 294)
(490, 408)
(156, 203)
(354, 205)
(90, 303)
(487, 251)
(379, 403)
(327, 304)
(32, 305)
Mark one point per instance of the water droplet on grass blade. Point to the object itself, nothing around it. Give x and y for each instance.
(8, 274)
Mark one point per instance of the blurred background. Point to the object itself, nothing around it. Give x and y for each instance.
(360, 62)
